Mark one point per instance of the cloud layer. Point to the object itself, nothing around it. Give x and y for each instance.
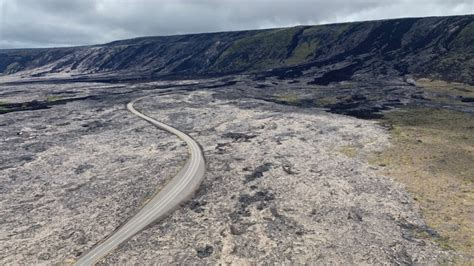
(48, 23)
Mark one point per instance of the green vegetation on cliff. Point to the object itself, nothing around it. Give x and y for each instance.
(438, 47)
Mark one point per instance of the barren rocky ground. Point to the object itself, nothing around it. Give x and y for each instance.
(277, 191)
(307, 132)
(277, 187)
(73, 173)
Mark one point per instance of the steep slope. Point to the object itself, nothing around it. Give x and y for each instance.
(432, 46)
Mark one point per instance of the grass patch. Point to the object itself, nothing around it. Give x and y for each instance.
(330, 100)
(433, 155)
(53, 98)
(465, 38)
(304, 101)
(303, 51)
(261, 50)
(448, 88)
(289, 98)
(294, 99)
(3, 109)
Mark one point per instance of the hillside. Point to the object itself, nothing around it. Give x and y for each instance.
(438, 47)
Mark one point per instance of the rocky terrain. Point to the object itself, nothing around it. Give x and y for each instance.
(289, 120)
(278, 187)
(73, 173)
(277, 191)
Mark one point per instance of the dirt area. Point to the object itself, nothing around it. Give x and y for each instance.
(448, 94)
(432, 153)
(455, 89)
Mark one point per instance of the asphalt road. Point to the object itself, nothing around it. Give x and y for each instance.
(177, 190)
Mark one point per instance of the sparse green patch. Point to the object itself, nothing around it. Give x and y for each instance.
(335, 30)
(349, 151)
(261, 50)
(270, 48)
(465, 38)
(433, 155)
(53, 98)
(329, 100)
(289, 98)
(13, 68)
(455, 65)
(3, 109)
(448, 88)
(303, 51)
(342, 28)
(458, 63)
(315, 29)
(443, 242)
(294, 99)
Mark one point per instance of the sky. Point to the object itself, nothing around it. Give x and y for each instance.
(54, 23)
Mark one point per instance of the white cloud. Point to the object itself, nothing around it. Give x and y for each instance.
(45, 23)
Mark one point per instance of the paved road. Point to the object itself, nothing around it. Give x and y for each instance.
(180, 188)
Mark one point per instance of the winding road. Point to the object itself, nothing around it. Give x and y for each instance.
(177, 190)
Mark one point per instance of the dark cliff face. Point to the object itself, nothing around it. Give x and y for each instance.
(440, 47)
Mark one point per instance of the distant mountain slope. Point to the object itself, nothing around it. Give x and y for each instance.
(441, 47)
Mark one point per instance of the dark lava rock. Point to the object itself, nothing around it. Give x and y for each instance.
(258, 172)
(82, 168)
(401, 257)
(260, 196)
(288, 170)
(44, 256)
(235, 216)
(220, 147)
(283, 224)
(204, 252)
(24, 106)
(93, 126)
(467, 100)
(196, 206)
(355, 214)
(239, 137)
(358, 110)
(411, 230)
(342, 74)
(238, 229)
(27, 158)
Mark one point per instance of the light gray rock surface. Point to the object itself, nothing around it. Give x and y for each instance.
(277, 188)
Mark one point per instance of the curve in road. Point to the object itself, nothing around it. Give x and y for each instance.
(180, 188)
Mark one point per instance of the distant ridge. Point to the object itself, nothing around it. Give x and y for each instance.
(438, 47)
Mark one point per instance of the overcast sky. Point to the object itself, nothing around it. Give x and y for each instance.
(48, 23)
